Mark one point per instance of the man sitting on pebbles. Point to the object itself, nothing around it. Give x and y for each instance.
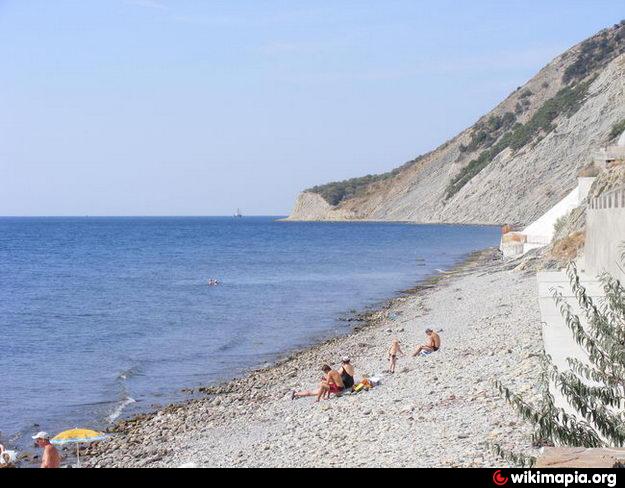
(432, 344)
(330, 383)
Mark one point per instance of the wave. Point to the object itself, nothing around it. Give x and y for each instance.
(119, 408)
(129, 373)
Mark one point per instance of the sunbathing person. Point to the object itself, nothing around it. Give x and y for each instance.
(347, 373)
(393, 351)
(330, 383)
(432, 343)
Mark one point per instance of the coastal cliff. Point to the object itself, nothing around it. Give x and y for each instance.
(512, 164)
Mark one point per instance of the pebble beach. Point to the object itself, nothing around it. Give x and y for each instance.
(437, 411)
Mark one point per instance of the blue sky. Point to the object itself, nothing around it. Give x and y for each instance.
(164, 107)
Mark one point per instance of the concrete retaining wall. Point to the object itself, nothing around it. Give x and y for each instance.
(605, 234)
(557, 337)
(605, 231)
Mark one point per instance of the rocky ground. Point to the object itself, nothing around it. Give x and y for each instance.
(441, 410)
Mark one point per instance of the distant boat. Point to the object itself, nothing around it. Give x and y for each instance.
(238, 213)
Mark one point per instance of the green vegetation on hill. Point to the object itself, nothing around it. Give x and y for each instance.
(566, 102)
(596, 52)
(487, 132)
(337, 191)
(491, 136)
(617, 129)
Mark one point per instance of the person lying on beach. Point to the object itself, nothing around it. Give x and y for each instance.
(393, 351)
(347, 373)
(432, 343)
(330, 383)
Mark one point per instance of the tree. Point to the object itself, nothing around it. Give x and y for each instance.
(594, 388)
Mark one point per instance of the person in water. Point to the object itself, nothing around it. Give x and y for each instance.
(393, 351)
(51, 457)
(330, 383)
(432, 343)
(347, 373)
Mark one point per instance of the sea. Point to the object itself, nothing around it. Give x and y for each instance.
(106, 317)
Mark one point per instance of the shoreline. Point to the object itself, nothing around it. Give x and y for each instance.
(210, 430)
(352, 321)
(384, 221)
(362, 318)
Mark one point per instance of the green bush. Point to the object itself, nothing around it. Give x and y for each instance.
(486, 133)
(337, 191)
(617, 129)
(596, 52)
(560, 223)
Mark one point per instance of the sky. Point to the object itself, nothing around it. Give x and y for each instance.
(181, 107)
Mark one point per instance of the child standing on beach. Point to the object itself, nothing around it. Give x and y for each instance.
(393, 351)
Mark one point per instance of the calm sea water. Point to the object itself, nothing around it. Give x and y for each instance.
(100, 316)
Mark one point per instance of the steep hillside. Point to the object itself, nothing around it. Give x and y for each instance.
(512, 164)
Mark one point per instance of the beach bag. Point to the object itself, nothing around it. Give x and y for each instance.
(7, 458)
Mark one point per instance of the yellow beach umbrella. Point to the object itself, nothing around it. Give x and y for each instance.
(77, 436)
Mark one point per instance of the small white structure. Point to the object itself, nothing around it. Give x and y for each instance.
(608, 155)
(540, 232)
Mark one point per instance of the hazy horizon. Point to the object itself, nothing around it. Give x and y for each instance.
(187, 108)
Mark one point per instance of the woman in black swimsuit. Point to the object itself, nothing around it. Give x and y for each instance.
(347, 373)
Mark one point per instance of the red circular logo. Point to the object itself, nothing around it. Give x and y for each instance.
(499, 479)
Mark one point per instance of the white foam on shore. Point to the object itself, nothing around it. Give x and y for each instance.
(120, 408)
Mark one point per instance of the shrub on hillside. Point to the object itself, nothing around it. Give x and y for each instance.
(487, 132)
(337, 191)
(559, 224)
(596, 52)
(564, 103)
(617, 129)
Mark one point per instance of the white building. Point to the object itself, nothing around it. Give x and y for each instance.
(540, 232)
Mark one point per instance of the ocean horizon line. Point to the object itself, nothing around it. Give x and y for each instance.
(134, 216)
